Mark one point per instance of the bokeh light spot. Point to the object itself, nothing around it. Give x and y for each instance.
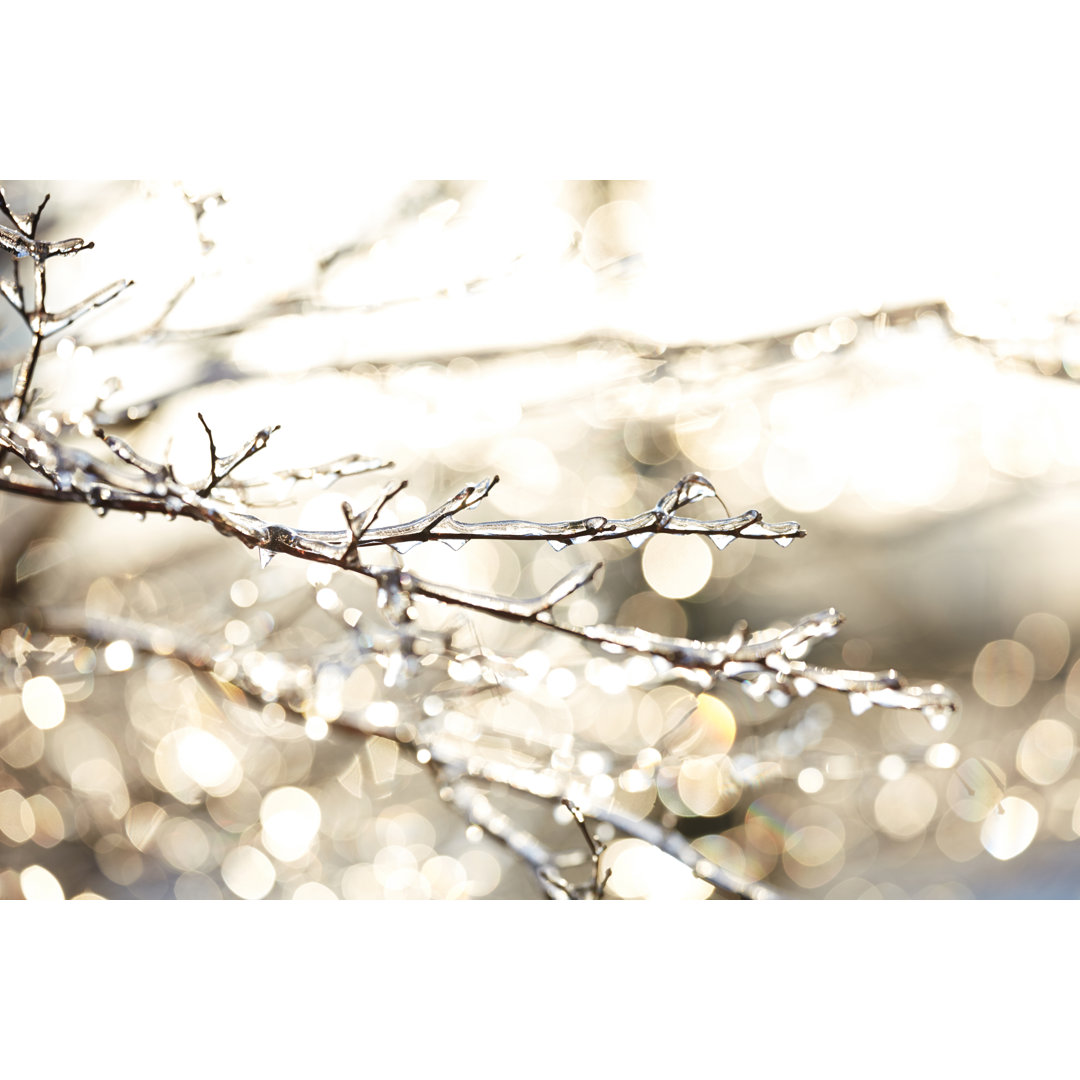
(1009, 831)
(290, 819)
(905, 807)
(718, 722)
(244, 593)
(248, 873)
(1046, 751)
(43, 702)
(1003, 673)
(640, 871)
(16, 817)
(207, 761)
(38, 884)
(1048, 638)
(119, 655)
(676, 566)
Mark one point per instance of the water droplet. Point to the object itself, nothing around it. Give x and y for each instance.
(783, 541)
(699, 489)
(638, 539)
(859, 703)
(757, 688)
(455, 544)
(99, 510)
(797, 650)
(405, 546)
(937, 718)
(557, 545)
(721, 540)
(265, 555)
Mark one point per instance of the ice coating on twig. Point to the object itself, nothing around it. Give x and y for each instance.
(768, 664)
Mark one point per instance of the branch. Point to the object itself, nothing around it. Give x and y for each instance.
(441, 525)
(769, 663)
(21, 243)
(61, 320)
(477, 809)
(23, 246)
(333, 546)
(596, 849)
(460, 769)
(221, 467)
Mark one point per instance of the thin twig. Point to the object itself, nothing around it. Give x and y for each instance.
(220, 467)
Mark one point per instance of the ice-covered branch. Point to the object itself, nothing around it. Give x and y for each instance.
(61, 320)
(596, 849)
(65, 466)
(22, 246)
(21, 242)
(769, 663)
(62, 462)
(478, 810)
(460, 770)
(221, 467)
(440, 524)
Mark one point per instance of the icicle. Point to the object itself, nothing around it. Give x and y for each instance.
(407, 545)
(638, 539)
(783, 541)
(721, 540)
(265, 555)
(455, 543)
(557, 545)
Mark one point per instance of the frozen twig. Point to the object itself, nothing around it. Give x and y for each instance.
(459, 771)
(478, 810)
(221, 467)
(20, 243)
(769, 663)
(595, 891)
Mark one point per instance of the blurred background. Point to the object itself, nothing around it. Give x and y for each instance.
(591, 342)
